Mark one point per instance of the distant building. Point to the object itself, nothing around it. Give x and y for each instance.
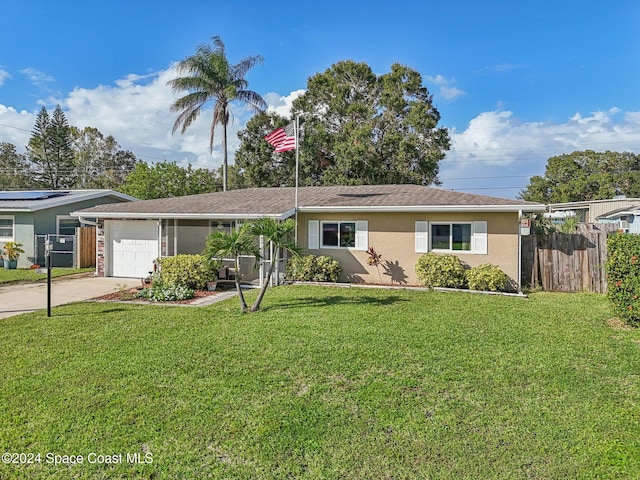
(620, 211)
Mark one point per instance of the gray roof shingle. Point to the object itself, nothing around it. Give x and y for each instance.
(280, 202)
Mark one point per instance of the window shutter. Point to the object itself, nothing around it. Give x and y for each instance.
(480, 238)
(362, 235)
(422, 237)
(313, 235)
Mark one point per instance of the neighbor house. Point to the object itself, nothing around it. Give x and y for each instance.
(401, 222)
(619, 212)
(29, 215)
(625, 219)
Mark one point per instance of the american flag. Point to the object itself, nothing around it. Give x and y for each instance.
(282, 139)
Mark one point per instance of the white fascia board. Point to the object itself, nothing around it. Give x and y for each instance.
(178, 216)
(428, 208)
(12, 210)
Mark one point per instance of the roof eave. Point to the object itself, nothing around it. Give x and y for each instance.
(425, 208)
(180, 216)
(623, 213)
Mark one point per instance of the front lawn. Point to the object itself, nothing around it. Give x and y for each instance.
(324, 383)
(32, 275)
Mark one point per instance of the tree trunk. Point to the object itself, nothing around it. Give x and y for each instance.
(265, 285)
(224, 156)
(243, 303)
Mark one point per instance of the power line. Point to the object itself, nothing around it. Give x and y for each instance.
(16, 128)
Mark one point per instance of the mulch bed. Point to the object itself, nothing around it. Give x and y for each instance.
(130, 295)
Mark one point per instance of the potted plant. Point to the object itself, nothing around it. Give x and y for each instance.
(13, 251)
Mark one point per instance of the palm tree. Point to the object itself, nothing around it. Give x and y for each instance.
(279, 235)
(234, 244)
(209, 77)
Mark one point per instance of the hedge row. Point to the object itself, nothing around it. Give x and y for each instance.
(623, 276)
(435, 270)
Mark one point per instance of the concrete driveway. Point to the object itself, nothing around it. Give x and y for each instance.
(29, 297)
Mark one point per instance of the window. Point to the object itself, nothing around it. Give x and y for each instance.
(451, 236)
(6, 228)
(339, 234)
(67, 225)
(468, 237)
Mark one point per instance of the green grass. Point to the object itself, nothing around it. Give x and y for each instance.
(327, 383)
(31, 275)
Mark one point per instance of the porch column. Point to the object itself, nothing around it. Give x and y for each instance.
(261, 260)
(175, 236)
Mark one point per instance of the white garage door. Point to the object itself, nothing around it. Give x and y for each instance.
(134, 247)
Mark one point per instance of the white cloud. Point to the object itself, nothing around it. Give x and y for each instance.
(37, 77)
(15, 127)
(281, 104)
(3, 76)
(136, 112)
(446, 87)
(496, 151)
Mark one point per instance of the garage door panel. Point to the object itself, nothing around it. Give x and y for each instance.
(134, 247)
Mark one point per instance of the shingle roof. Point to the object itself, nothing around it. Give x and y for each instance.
(280, 202)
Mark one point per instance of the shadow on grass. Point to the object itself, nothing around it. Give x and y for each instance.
(60, 311)
(332, 300)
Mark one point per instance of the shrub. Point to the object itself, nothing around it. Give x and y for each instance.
(440, 270)
(192, 271)
(488, 277)
(166, 292)
(310, 268)
(623, 276)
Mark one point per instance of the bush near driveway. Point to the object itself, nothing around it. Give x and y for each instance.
(191, 271)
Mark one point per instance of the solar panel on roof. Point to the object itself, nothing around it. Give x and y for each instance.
(32, 194)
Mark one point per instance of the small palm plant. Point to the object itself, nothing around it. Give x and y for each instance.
(233, 244)
(13, 251)
(279, 234)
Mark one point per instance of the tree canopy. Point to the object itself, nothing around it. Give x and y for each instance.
(15, 170)
(99, 160)
(358, 128)
(585, 175)
(49, 150)
(168, 179)
(256, 162)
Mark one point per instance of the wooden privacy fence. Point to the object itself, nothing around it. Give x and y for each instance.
(86, 238)
(565, 263)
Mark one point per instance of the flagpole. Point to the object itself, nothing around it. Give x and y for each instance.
(297, 135)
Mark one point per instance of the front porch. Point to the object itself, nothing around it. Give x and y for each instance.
(186, 236)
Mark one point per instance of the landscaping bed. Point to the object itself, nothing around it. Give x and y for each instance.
(130, 295)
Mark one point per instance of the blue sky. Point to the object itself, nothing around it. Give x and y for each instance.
(516, 82)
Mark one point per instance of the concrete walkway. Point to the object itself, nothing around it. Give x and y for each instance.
(29, 297)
